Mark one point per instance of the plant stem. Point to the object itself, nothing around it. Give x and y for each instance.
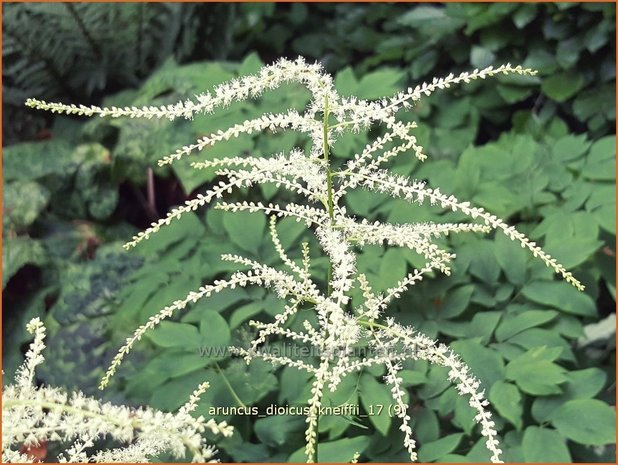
(329, 179)
(229, 386)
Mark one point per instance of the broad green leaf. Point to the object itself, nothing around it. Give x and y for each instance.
(570, 147)
(524, 15)
(411, 377)
(481, 257)
(180, 286)
(455, 302)
(512, 259)
(535, 373)
(464, 414)
(437, 382)
(432, 451)
(481, 57)
(561, 296)
(245, 312)
(537, 337)
(188, 225)
(23, 202)
(544, 445)
(482, 325)
(174, 393)
(340, 451)
(586, 421)
(506, 399)
(581, 384)
(485, 363)
(171, 364)
(522, 321)
(381, 83)
(372, 396)
(177, 335)
(214, 330)
(561, 87)
(245, 229)
(18, 252)
(426, 426)
(250, 65)
(250, 382)
(294, 386)
(276, 430)
(393, 267)
(573, 251)
(33, 160)
(602, 170)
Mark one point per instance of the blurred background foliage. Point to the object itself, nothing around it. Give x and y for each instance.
(539, 152)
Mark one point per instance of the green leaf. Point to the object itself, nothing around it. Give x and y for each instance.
(245, 312)
(482, 325)
(573, 251)
(536, 337)
(192, 178)
(393, 267)
(373, 395)
(570, 147)
(582, 384)
(371, 86)
(481, 57)
(524, 15)
(483, 264)
(602, 157)
(175, 392)
(188, 225)
(535, 374)
(511, 258)
(19, 252)
(485, 363)
(171, 364)
(23, 202)
(277, 430)
(522, 321)
(432, 451)
(455, 302)
(177, 335)
(214, 330)
(560, 295)
(245, 229)
(34, 160)
(340, 451)
(561, 87)
(506, 399)
(586, 421)
(250, 65)
(544, 445)
(294, 385)
(426, 425)
(464, 414)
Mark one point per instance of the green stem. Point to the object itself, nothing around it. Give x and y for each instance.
(329, 180)
(229, 386)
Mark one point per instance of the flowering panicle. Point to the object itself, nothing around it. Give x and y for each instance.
(339, 323)
(32, 415)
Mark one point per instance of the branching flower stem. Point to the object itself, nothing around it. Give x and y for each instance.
(340, 323)
(331, 215)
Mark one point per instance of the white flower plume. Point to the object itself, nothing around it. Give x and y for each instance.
(313, 177)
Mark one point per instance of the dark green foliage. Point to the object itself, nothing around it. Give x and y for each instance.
(86, 46)
(73, 51)
(79, 343)
(537, 152)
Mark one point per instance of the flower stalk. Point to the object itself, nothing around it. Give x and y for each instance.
(338, 323)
